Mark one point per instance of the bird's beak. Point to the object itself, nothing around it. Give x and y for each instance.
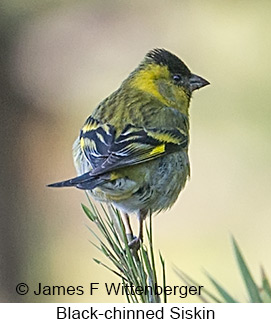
(196, 82)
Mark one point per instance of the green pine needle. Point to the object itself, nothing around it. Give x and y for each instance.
(223, 293)
(133, 268)
(256, 294)
(251, 286)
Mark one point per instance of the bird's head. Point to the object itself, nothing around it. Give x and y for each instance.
(165, 76)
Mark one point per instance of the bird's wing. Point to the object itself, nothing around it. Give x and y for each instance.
(96, 139)
(106, 152)
(133, 146)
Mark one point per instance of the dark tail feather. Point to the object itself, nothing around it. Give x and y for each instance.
(85, 182)
(61, 184)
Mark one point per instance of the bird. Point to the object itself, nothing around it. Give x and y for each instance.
(132, 151)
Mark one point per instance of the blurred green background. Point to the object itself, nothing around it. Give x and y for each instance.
(58, 59)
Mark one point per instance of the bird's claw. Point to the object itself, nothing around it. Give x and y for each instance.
(135, 244)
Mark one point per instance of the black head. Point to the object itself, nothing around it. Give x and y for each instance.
(165, 58)
(180, 73)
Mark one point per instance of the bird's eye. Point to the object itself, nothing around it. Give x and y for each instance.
(177, 78)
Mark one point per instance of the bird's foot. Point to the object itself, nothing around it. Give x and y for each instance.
(135, 244)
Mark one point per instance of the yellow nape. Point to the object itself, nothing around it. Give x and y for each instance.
(144, 80)
(158, 150)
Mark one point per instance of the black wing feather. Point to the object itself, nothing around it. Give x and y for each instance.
(133, 146)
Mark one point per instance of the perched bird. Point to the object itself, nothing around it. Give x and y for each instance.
(132, 151)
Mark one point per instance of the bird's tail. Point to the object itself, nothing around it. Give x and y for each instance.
(85, 182)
